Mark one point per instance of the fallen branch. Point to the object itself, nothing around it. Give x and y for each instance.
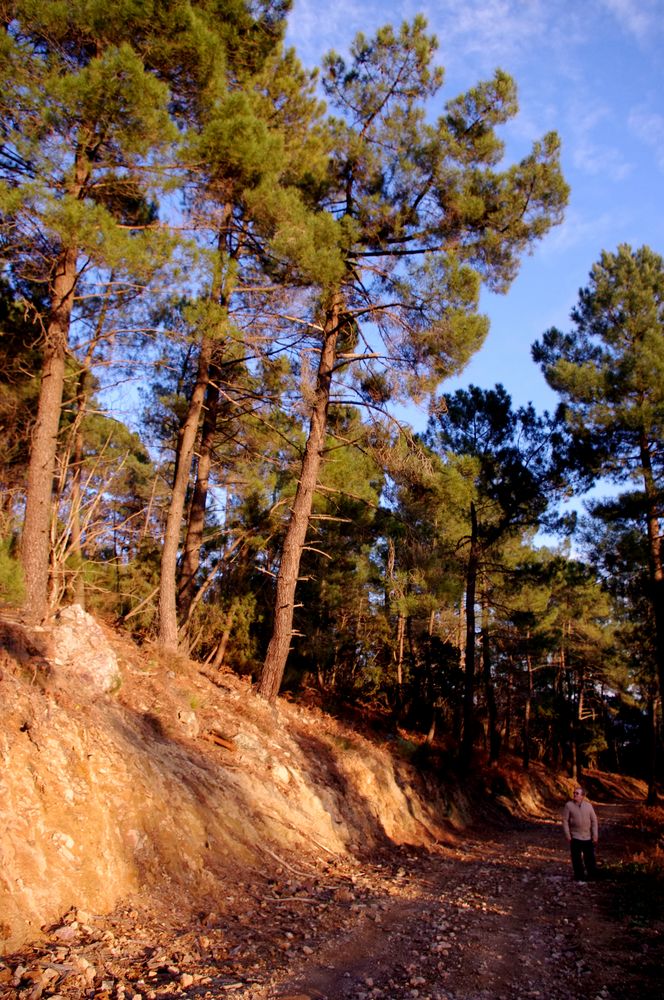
(291, 826)
(322, 846)
(293, 899)
(282, 862)
(218, 740)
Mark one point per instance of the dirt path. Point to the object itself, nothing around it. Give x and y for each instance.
(497, 918)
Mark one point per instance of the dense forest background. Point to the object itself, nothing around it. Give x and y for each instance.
(224, 278)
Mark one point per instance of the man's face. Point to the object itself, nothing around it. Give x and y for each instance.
(578, 794)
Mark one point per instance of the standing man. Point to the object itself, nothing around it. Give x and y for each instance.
(580, 826)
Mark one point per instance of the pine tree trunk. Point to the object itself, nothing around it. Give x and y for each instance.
(35, 541)
(168, 619)
(401, 634)
(558, 728)
(653, 704)
(469, 664)
(76, 531)
(431, 695)
(577, 765)
(191, 555)
(655, 556)
(168, 622)
(76, 534)
(526, 712)
(223, 643)
(489, 688)
(508, 703)
(291, 554)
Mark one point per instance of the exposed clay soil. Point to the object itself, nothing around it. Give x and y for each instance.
(496, 917)
(177, 837)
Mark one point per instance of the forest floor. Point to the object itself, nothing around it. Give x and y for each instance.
(494, 916)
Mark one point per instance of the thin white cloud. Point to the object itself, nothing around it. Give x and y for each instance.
(641, 18)
(314, 30)
(493, 32)
(577, 231)
(648, 126)
(495, 29)
(510, 33)
(589, 125)
(595, 159)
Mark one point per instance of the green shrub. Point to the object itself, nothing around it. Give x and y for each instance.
(12, 590)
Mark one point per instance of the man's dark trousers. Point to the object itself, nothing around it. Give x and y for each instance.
(583, 859)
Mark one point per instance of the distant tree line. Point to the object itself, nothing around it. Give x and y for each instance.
(217, 290)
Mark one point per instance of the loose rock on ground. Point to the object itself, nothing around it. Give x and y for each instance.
(494, 917)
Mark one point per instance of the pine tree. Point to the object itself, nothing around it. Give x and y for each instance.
(618, 548)
(609, 372)
(18, 395)
(416, 216)
(506, 456)
(83, 117)
(256, 136)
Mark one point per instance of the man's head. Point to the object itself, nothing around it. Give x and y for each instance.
(578, 794)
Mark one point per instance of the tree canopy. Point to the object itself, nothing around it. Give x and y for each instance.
(223, 278)
(609, 372)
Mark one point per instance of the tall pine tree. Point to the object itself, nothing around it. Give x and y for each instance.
(609, 373)
(419, 217)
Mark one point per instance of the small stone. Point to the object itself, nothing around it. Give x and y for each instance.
(68, 932)
(189, 723)
(345, 896)
(186, 979)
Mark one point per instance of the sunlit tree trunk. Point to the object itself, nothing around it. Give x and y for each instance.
(401, 637)
(35, 540)
(76, 532)
(168, 623)
(168, 619)
(289, 567)
(221, 648)
(191, 554)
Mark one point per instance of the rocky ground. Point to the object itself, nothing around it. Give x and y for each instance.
(166, 833)
(495, 916)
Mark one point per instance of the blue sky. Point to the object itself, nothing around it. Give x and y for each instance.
(592, 70)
